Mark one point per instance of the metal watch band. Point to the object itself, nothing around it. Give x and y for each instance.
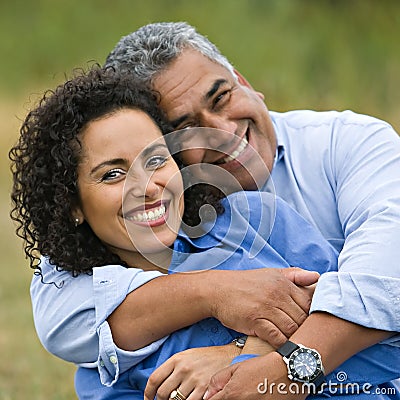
(240, 341)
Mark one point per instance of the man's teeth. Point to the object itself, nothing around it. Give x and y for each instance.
(148, 216)
(237, 152)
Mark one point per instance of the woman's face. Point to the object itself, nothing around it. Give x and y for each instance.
(131, 191)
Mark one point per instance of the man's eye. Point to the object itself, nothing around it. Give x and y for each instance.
(186, 126)
(221, 96)
(155, 162)
(112, 175)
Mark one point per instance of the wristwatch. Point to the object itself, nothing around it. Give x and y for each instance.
(303, 364)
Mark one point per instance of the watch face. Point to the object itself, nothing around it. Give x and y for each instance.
(305, 364)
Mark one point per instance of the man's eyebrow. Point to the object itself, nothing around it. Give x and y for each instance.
(214, 88)
(176, 122)
(114, 161)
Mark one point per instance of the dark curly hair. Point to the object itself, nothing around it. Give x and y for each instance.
(45, 160)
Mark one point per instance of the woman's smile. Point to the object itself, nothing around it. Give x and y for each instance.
(130, 187)
(151, 215)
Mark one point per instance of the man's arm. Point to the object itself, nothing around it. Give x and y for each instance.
(266, 303)
(332, 337)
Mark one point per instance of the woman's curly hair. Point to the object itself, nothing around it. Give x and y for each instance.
(45, 161)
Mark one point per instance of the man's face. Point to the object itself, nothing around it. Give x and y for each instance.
(196, 92)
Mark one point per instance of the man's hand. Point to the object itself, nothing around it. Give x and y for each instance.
(256, 379)
(266, 303)
(332, 337)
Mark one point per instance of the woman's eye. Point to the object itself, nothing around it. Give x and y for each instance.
(155, 162)
(112, 175)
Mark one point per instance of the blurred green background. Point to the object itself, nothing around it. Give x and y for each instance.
(316, 54)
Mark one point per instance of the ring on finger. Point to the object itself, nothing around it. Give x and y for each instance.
(177, 395)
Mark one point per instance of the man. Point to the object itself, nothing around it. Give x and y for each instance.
(339, 170)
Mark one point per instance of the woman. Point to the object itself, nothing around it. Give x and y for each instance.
(95, 186)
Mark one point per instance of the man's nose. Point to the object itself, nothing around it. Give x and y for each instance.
(212, 120)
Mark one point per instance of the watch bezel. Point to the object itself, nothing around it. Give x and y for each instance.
(294, 375)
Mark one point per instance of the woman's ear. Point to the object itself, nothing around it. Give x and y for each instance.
(77, 216)
(244, 82)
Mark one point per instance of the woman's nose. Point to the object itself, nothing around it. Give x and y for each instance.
(143, 186)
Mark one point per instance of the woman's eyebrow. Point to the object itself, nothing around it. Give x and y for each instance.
(152, 148)
(114, 161)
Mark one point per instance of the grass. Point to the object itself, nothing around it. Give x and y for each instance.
(28, 371)
(325, 54)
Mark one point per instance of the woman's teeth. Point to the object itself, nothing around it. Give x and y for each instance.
(148, 215)
(237, 152)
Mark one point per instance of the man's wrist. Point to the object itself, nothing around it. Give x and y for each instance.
(304, 364)
(277, 377)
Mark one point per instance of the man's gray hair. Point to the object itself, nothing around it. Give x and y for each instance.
(149, 50)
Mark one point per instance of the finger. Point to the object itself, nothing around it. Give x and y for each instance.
(167, 387)
(300, 277)
(157, 378)
(276, 324)
(309, 290)
(302, 298)
(197, 393)
(219, 380)
(183, 392)
(187, 388)
(271, 333)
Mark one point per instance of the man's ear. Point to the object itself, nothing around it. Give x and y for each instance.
(243, 81)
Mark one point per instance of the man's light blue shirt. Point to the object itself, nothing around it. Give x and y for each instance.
(239, 234)
(328, 167)
(341, 172)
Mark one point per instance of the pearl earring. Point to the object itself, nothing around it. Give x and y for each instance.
(76, 222)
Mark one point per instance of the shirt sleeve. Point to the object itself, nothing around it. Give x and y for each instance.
(365, 163)
(64, 314)
(70, 315)
(111, 284)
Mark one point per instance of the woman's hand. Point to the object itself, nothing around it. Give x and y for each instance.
(189, 371)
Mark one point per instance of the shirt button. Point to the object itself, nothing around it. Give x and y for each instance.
(214, 329)
(113, 359)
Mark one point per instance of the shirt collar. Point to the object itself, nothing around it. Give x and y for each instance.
(186, 244)
(280, 146)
